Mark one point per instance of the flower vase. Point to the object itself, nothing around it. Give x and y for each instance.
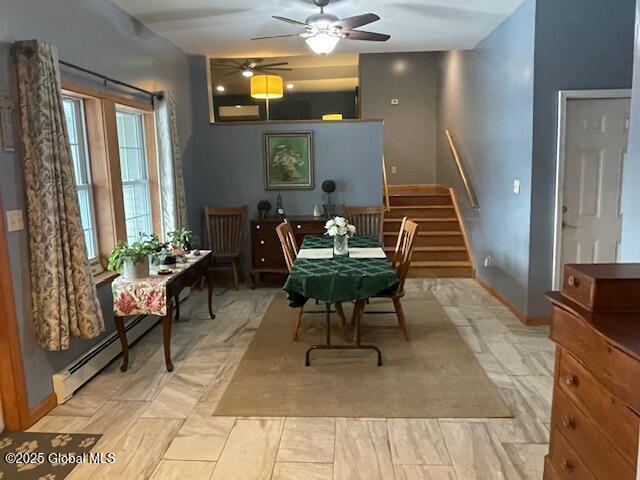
(340, 245)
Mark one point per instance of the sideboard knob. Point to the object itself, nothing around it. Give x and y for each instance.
(257, 227)
(569, 422)
(263, 260)
(571, 380)
(573, 281)
(298, 226)
(566, 465)
(261, 242)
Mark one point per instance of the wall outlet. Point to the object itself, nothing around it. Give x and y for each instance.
(516, 187)
(395, 101)
(488, 261)
(394, 170)
(15, 221)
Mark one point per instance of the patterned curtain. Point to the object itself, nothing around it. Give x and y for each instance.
(63, 293)
(172, 196)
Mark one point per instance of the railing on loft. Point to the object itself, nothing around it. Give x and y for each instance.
(473, 199)
(387, 204)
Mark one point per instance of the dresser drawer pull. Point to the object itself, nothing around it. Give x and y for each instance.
(566, 465)
(261, 242)
(298, 226)
(569, 423)
(257, 227)
(571, 380)
(573, 281)
(263, 260)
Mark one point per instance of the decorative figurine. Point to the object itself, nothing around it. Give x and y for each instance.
(264, 207)
(317, 211)
(279, 207)
(328, 187)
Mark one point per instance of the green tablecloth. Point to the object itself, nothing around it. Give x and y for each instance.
(339, 279)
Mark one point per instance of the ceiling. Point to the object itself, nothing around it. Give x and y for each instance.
(222, 28)
(310, 73)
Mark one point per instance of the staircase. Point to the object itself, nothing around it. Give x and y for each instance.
(441, 247)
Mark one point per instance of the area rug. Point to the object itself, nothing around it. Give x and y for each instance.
(433, 375)
(48, 456)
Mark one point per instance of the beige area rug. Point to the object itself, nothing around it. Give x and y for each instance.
(433, 375)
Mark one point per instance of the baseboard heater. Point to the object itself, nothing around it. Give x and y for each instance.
(83, 369)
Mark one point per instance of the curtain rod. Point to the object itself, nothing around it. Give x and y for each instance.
(113, 80)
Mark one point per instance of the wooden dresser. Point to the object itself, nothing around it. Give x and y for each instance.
(266, 252)
(596, 395)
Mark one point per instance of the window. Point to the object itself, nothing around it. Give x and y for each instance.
(75, 118)
(135, 175)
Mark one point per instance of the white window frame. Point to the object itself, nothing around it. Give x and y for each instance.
(145, 160)
(83, 146)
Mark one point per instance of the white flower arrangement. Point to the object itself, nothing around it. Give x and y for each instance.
(339, 226)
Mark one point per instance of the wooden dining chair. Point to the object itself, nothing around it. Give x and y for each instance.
(225, 232)
(290, 251)
(401, 263)
(367, 220)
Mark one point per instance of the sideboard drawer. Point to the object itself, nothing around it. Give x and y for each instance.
(615, 420)
(614, 369)
(606, 287)
(594, 449)
(564, 461)
(307, 227)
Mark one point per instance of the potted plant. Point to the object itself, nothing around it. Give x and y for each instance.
(340, 229)
(132, 260)
(182, 239)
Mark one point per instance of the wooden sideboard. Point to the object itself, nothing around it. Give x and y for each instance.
(596, 397)
(266, 252)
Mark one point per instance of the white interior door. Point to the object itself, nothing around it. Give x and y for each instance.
(597, 133)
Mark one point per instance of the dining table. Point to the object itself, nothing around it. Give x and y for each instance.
(320, 275)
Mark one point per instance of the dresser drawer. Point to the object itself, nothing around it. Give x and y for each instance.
(307, 227)
(563, 462)
(613, 418)
(614, 369)
(603, 286)
(594, 449)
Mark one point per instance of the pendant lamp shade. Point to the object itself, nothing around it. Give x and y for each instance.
(267, 87)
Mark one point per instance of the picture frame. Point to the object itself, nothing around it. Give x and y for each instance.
(288, 159)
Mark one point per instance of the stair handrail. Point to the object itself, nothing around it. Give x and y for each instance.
(387, 203)
(463, 229)
(473, 199)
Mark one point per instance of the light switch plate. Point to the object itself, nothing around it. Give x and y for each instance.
(394, 170)
(516, 187)
(15, 221)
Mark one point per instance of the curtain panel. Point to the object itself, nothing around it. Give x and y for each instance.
(63, 293)
(172, 194)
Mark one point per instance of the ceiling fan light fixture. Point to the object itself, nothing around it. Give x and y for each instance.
(290, 86)
(220, 88)
(247, 73)
(322, 43)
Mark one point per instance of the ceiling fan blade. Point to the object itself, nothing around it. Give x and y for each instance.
(276, 69)
(273, 64)
(234, 72)
(275, 36)
(370, 36)
(290, 20)
(357, 21)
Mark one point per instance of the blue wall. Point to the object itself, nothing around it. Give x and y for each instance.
(230, 161)
(97, 35)
(579, 46)
(486, 100)
(630, 192)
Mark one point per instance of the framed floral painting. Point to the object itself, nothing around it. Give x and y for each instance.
(288, 160)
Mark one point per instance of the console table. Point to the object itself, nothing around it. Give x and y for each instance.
(153, 296)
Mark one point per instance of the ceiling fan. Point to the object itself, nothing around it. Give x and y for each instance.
(249, 67)
(323, 31)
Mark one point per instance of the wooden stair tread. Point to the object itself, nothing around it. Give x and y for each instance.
(441, 264)
(419, 207)
(430, 219)
(444, 233)
(436, 248)
(420, 194)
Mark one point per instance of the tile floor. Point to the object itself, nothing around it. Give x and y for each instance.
(159, 424)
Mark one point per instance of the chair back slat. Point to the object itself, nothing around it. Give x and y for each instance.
(367, 220)
(225, 229)
(288, 243)
(404, 250)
